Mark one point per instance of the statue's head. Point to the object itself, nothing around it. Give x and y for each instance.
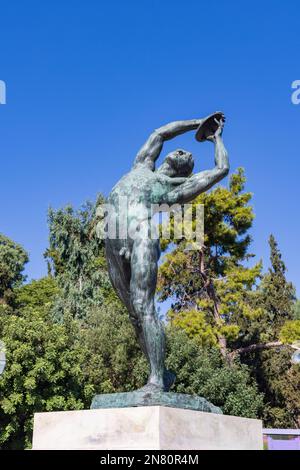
(179, 163)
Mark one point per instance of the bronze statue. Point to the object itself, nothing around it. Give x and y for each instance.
(132, 262)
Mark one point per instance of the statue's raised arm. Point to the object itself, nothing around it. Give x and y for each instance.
(151, 149)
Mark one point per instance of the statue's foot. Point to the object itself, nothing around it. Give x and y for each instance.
(151, 387)
(156, 385)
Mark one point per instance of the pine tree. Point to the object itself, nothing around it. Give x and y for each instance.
(277, 294)
(277, 378)
(212, 288)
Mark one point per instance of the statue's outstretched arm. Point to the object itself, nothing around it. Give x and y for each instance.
(204, 180)
(150, 151)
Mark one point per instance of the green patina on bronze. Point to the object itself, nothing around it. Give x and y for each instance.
(155, 398)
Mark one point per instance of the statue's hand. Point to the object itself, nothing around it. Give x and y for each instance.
(219, 130)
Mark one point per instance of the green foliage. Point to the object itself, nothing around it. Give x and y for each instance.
(76, 258)
(290, 332)
(279, 380)
(12, 260)
(194, 324)
(202, 371)
(114, 362)
(296, 310)
(43, 372)
(37, 294)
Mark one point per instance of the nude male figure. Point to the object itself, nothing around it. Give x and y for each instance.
(132, 262)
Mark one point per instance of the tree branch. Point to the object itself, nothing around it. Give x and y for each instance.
(257, 347)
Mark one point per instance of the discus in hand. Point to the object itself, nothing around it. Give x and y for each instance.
(209, 126)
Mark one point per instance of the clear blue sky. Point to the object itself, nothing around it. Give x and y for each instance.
(87, 82)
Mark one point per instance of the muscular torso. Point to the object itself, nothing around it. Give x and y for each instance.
(139, 190)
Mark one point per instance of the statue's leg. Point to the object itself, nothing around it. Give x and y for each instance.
(119, 273)
(144, 258)
(119, 270)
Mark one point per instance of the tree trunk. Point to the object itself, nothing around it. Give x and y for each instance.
(210, 289)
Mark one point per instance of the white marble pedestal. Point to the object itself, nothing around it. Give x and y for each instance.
(147, 428)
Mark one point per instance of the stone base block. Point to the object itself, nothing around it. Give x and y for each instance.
(146, 428)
